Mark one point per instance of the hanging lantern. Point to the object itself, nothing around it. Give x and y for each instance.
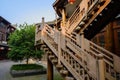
(71, 1)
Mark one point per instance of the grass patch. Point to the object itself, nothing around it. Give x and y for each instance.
(27, 67)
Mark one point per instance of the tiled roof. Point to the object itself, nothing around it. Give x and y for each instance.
(4, 20)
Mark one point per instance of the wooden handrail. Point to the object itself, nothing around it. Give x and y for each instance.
(78, 15)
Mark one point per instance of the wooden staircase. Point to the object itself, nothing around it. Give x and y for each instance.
(54, 59)
(76, 61)
(72, 52)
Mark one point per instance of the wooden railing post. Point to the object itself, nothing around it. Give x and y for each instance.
(42, 28)
(78, 39)
(63, 18)
(59, 46)
(43, 21)
(82, 40)
(101, 67)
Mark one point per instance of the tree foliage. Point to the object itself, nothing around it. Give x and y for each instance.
(22, 44)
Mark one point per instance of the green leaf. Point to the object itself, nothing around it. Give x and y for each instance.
(22, 43)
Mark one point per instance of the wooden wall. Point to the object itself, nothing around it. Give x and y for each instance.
(109, 37)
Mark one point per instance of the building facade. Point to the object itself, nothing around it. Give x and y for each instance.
(5, 29)
(109, 37)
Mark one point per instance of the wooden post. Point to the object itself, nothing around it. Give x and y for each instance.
(109, 38)
(59, 47)
(78, 39)
(63, 24)
(49, 69)
(63, 18)
(43, 21)
(101, 67)
(42, 32)
(82, 41)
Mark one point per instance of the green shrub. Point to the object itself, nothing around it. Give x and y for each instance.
(26, 67)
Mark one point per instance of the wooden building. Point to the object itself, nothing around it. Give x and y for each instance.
(5, 29)
(69, 47)
(109, 37)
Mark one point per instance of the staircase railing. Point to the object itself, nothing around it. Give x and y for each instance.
(48, 38)
(90, 54)
(81, 57)
(85, 14)
(81, 61)
(79, 14)
(109, 59)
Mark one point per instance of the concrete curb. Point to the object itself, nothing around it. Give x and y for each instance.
(22, 73)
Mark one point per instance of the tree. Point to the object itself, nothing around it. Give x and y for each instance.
(22, 44)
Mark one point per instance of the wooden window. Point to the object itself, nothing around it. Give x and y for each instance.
(2, 25)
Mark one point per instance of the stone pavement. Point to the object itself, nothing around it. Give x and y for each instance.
(5, 72)
(5, 75)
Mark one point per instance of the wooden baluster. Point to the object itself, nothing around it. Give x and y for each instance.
(78, 39)
(101, 67)
(59, 47)
(82, 41)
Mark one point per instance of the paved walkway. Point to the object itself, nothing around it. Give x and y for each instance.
(5, 75)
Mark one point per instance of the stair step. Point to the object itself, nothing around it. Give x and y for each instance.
(54, 61)
(64, 72)
(39, 43)
(43, 46)
(51, 56)
(49, 53)
(69, 78)
(59, 66)
(46, 49)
